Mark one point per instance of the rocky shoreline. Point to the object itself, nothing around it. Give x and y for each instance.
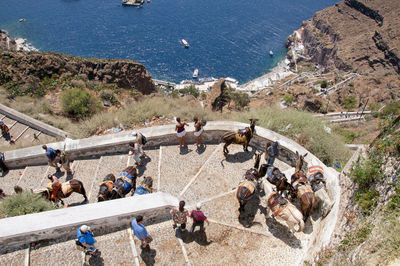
(17, 44)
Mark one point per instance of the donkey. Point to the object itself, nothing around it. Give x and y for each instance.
(283, 208)
(242, 136)
(124, 183)
(247, 187)
(302, 188)
(106, 187)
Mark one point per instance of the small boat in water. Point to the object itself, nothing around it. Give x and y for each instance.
(21, 20)
(271, 53)
(195, 73)
(185, 43)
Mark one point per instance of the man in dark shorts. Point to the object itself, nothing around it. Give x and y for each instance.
(198, 218)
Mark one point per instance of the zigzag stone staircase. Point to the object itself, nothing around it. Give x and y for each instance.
(205, 177)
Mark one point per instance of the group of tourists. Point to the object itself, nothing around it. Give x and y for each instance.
(181, 132)
(179, 217)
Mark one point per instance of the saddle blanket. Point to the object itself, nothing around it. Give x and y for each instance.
(66, 188)
(141, 191)
(240, 138)
(248, 184)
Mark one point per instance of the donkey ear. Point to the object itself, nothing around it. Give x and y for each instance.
(297, 153)
(305, 155)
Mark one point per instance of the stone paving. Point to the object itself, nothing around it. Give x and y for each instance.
(23, 133)
(195, 176)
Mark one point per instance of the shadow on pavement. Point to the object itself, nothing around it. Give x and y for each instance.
(200, 237)
(148, 256)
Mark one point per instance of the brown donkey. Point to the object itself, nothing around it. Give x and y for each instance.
(242, 136)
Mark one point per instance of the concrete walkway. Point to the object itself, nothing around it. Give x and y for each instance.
(194, 176)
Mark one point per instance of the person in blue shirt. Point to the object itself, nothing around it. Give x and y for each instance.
(140, 232)
(272, 151)
(51, 155)
(85, 237)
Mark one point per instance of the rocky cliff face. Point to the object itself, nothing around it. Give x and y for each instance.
(29, 69)
(356, 35)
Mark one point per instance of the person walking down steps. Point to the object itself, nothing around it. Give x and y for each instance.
(139, 230)
(179, 216)
(198, 218)
(51, 156)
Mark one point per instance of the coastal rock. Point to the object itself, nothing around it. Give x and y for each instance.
(355, 35)
(22, 67)
(217, 99)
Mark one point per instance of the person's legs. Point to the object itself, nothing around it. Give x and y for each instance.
(67, 167)
(180, 142)
(54, 164)
(193, 227)
(201, 224)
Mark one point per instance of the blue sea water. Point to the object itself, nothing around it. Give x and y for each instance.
(226, 37)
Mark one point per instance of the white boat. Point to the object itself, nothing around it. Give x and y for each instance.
(21, 20)
(271, 53)
(185, 43)
(195, 73)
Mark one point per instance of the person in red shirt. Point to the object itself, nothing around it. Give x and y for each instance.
(198, 218)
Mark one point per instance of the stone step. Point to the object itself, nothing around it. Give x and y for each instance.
(35, 177)
(115, 249)
(8, 181)
(55, 253)
(17, 129)
(220, 175)
(165, 248)
(178, 169)
(11, 258)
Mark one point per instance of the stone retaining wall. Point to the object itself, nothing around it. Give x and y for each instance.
(33, 123)
(101, 216)
(156, 136)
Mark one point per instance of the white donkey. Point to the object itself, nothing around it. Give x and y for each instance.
(282, 208)
(318, 183)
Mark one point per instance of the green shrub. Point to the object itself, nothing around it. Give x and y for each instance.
(49, 84)
(175, 93)
(190, 90)
(367, 200)
(288, 98)
(356, 237)
(391, 109)
(241, 99)
(203, 95)
(348, 135)
(79, 103)
(349, 103)
(25, 203)
(108, 95)
(324, 84)
(13, 88)
(367, 171)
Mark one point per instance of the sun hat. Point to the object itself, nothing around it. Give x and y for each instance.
(85, 228)
(198, 206)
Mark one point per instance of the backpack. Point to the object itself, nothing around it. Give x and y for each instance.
(204, 122)
(144, 140)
